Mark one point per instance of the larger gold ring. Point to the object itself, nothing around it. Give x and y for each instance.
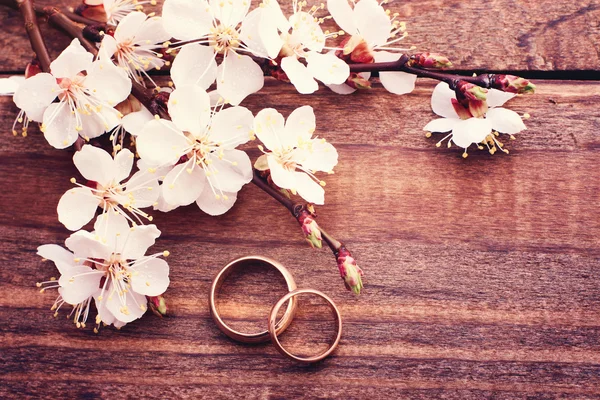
(263, 336)
(291, 296)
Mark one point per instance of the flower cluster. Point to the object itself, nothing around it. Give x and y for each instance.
(480, 124)
(186, 143)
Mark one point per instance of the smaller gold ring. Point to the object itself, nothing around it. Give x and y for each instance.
(259, 337)
(273, 332)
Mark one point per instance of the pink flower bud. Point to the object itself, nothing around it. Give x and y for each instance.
(355, 50)
(350, 272)
(158, 305)
(428, 60)
(357, 81)
(472, 97)
(310, 228)
(33, 68)
(513, 84)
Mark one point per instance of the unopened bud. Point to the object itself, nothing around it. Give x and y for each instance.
(33, 68)
(350, 272)
(513, 84)
(357, 81)
(428, 60)
(355, 49)
(158, 305)
(310, 228)
(472, 97)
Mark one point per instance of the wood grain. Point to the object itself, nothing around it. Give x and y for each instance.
(481, 274)
(543, 35)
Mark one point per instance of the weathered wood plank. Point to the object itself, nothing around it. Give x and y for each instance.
(481, 273)
(495, 35)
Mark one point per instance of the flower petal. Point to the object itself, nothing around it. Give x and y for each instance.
(372, 22)
(143, 189)
(95, 164)
(123, 164)
(505, 121)
(269, 127)
(327, 68)
(231, 127)
(61, 257)
(126, 307)
(84, 244)
(497, 98)
(103, 312)
(194, 65)
(10, 85)
(210, 204)
(111, 228)
(470, 131)
(282, 177)
(308, 189)
(441, 101)
(151, 277)
(250, 33)
(129, 26)
(162, 143)
(300, 125)
(319, 156)
(35, 94)
(343, 15)
(134, 122)
(137, 241)
(307, 31)
(79, 283)
(187, 19)
(108, 82)
(231, 172)
(238, 76)
(152, 30)
(231, 12)
(189, 108)
(342, 89)
(394, 82)
(59, 126)
(77, 207)
(183, 184)
(299, 75)
(441, 125)
(71, 61)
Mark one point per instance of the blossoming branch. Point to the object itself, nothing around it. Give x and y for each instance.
(188, 138)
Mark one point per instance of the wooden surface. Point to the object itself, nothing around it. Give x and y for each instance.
(481, 274)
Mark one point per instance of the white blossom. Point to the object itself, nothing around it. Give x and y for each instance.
(369, 23)
(214, 28)
(87, 91)
(136, 45)
(465, 129)
(294, 156)
(299, 38)
(199, 148)
(109, 266)
(105, 188)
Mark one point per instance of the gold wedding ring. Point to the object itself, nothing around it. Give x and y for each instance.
(274, 331)
(278, 326)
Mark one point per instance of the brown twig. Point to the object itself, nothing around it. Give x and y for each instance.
(60, 20)
(294, 208)
(32, 27)
(485, 80)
